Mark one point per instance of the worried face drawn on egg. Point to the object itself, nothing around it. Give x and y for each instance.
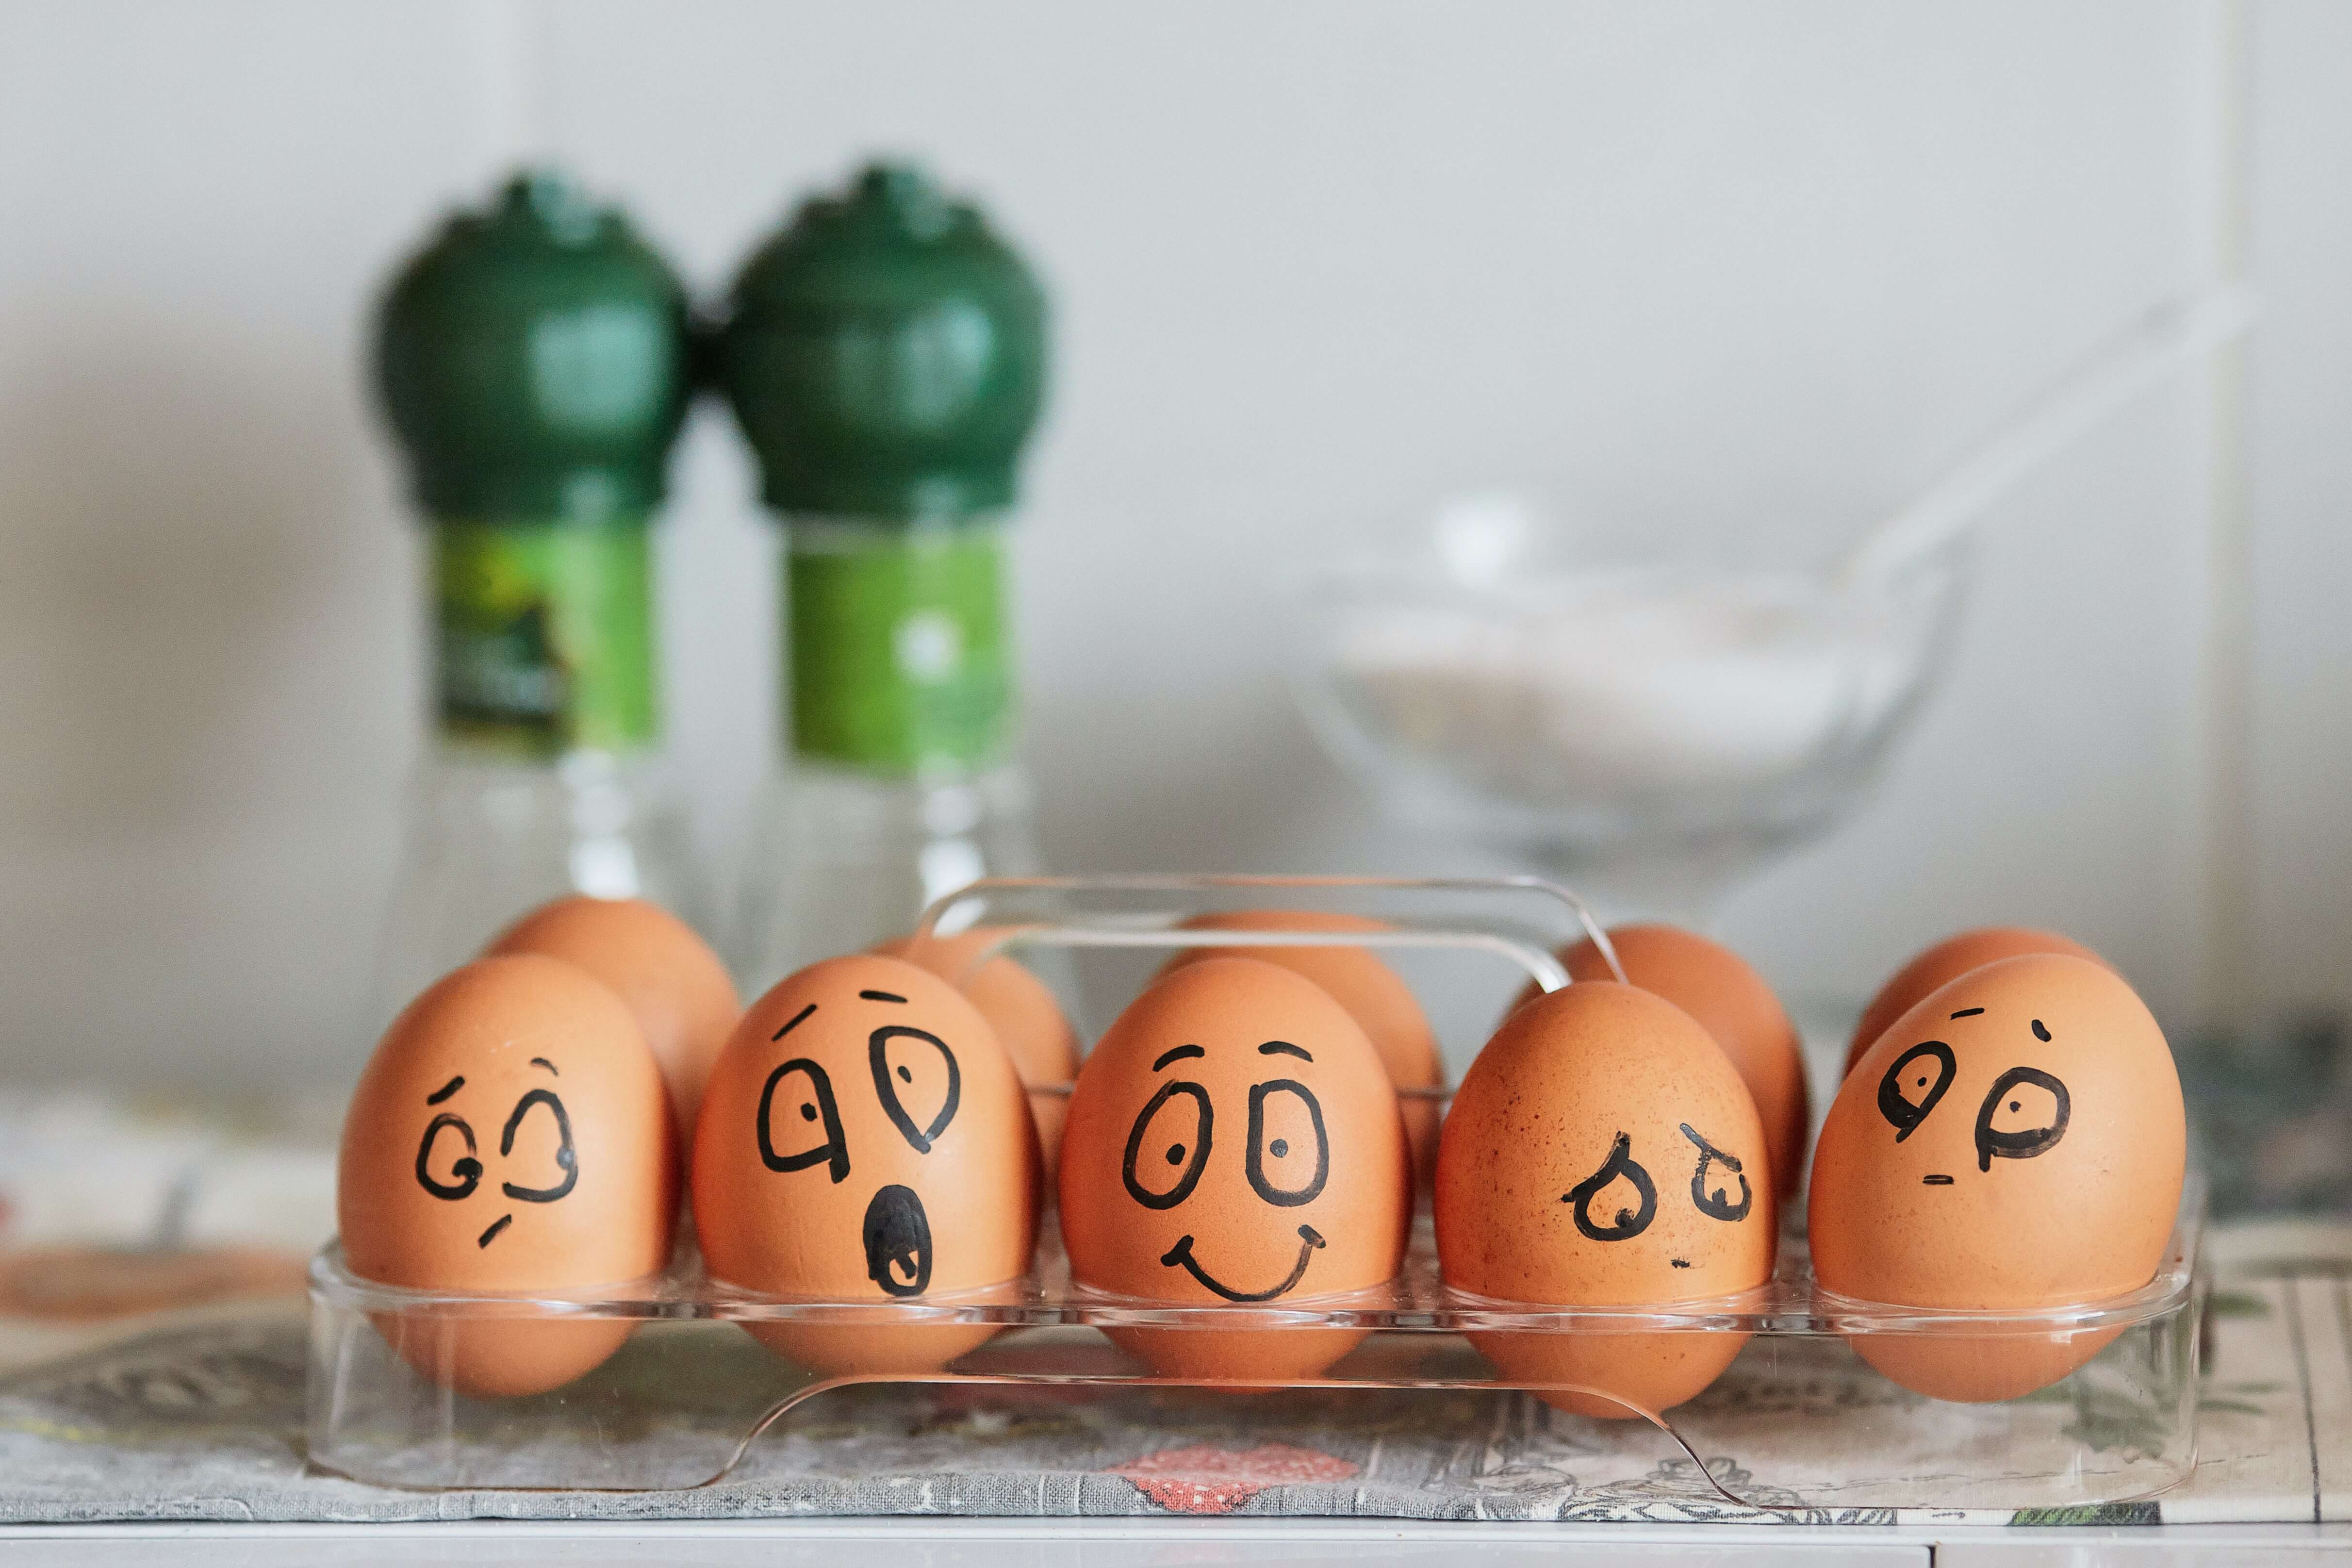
(2023, 1114)
(1287, 1157)
(2015, 1140)
(552, 1171)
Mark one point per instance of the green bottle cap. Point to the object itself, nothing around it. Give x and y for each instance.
(533, 359)
(885, 354)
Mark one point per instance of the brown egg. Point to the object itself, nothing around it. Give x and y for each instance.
(863, 1138)
(668, 977)
(1023, 1011)
(1233, 1139)
(1731, 1002)
(2014, 1141)
(1598, 1153)
(509, 1134)
(1371, 992)
(1944, 963)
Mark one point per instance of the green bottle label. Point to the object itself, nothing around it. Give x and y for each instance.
(545, 636)
(899, 660)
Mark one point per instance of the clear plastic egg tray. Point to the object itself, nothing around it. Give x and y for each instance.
(691, 1400)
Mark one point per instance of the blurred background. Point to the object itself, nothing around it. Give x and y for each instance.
(1731, 278)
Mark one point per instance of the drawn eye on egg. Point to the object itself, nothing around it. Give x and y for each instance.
(1717, 1205)
(1168, 1147)
(1626, 1223)
(1912, 1084)
(2024, 1114)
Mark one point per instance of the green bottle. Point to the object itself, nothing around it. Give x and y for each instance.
(884, 354)
(532, 360)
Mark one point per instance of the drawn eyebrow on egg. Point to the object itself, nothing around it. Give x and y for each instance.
(543, 1062)
(1283, 1048)
(446, 1090)
(797, 1019)
(881, 997)
(1177, 1053)
(2040, 1032)
(1967, 1012)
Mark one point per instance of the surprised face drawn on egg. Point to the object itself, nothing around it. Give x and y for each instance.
(917, 1087)
(2023, 1114)
(548, 1161)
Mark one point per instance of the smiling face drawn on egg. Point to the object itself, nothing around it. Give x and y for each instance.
(2023, 1115)
(550, 1170)
(1234, 1134)
(1287, 1157)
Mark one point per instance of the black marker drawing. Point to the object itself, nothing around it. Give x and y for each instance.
(897, 1237)
(497, 1226)
(468, 1170)
(1895, 1101)
(1679, 1262)
(566, 1160)
(878, 1056)
(539, 1062)
(1629, 1222)
(1181, 1256)
(2025, 1145)
(2040, 1032)
(1935, 1181)
(798, 1018)
(816, 1104)
(1284, 1198)
(1284, 1049)
(1967, 1012)
(882, 996)
(1179, 1137)
(1177, 1054)
(446, 1090)
(1718, 1205)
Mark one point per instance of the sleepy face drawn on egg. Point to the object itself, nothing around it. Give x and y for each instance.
(916, 1082)
(2023, 1114)
(1601, 1205)
(449, 1160)
(1286, 1160)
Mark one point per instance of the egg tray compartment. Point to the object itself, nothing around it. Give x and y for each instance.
(1798, 1422)
(691, 1400)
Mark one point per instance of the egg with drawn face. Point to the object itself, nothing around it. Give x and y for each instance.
(1602, 1152)
(1234, 1141)
(2016, 1140)
(863, 1138)
(509, 1134)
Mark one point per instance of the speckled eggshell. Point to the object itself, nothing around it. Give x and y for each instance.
(653, 960)
(1234, 1140)
(1020, 1008)
(865, 1138)
(1732, 1004)
(509, 1134)
(2015, 1140)
(1944, 962)
(1598, 1153)
(1373, 993)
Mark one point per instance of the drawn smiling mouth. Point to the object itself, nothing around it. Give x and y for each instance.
(1181, 1253)
(497, 1226)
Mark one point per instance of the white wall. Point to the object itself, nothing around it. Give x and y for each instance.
(1754, 270)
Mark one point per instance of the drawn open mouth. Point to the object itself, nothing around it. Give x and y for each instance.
(898, 1242)
(1181, 1253)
